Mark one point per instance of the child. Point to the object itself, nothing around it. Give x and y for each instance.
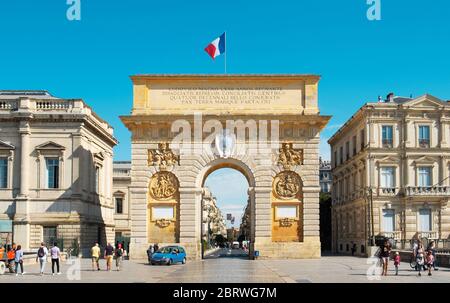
(396, 262)
(429, 261)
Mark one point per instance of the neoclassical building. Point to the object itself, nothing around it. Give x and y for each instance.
(184, 127)
(213, 221)
(55, 171)
(391, 174)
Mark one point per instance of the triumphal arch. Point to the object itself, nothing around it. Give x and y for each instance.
(184, 127)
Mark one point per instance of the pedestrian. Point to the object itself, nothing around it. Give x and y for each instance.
(420, 259)
(119, 256)
(11, 255)
(429, 260)
(155, 248)
(55, 254)
(384, 254)
(353, 249)
(396, 262)
(18, 259)
(150, 253)
(109, 252)
(432, 247)
(41, 256)
(95, 255)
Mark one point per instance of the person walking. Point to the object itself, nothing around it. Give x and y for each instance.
(384, 254)
(432, 247)
(429, 261)
(396, 262)
(150, 253)
(11, 255)
(420, 259)
(95, 255)
(18, 259)
(42, 257)
(109, 252)
(155, 248)
(118, 253)
(55, 254)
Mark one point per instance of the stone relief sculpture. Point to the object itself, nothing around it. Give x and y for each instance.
(164, 185)
(286, 222)
(163, 156)
(286, 184)
(288, 156)
(163, 223)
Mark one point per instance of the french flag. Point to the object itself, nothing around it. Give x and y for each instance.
(217, 47)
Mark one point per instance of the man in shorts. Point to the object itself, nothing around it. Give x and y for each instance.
(95, 254)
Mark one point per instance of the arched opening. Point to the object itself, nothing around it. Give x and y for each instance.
(226, 209)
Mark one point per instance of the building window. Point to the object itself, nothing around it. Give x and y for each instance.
(388, 220)
(49, 235)
(424, 176)
(347, 150)
(362, 139)
(52, 172)
(119, 205)
(387, 140)
(341, 155)
(3, 172)
(425, 219)
(424, 136)
(387, 177)
(97, 179)
(354, 145)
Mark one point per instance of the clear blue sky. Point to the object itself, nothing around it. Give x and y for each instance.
(407, 52)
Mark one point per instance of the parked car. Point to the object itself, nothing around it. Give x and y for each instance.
(235, 245)
(169, 255)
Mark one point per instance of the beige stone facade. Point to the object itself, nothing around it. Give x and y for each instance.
(396, 151)
(121, 197)
(56, 157)
(280, 163)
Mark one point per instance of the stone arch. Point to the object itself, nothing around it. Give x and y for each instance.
(245, 170)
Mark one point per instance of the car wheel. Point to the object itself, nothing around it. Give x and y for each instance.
(184, 261)
(152, 263)
(170, 262)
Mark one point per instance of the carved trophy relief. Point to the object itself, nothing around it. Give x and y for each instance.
(286, 222)
(163, 157)
(288, 156)
(163, 186)
(286, 185)
(163, 223)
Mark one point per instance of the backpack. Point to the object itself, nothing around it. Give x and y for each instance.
(119, 252)
(41, 252)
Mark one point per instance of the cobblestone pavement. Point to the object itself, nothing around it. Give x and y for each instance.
(228, 267)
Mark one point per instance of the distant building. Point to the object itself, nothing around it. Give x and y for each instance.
(391, 174)
(121, 197)
(55, 171)
(213, 223)
(325, 176)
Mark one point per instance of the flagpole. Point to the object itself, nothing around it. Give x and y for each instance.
(226, 42)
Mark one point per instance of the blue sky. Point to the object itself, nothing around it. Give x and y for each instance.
(407, 52)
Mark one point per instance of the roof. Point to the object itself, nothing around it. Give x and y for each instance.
(225, 76)
(15, 94)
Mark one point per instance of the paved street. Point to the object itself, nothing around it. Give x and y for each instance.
(232, 268)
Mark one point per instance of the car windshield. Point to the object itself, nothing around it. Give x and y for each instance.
(165, 250)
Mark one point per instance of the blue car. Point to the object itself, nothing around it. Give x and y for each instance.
(169, 255)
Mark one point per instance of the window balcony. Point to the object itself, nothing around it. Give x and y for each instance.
(430, 235)
(424, 143)
(396, 235)
(388, 191)
(387, 143)
(428, 191)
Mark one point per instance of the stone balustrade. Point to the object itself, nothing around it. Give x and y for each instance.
(427, 191)
(396, 235)
(8, 104)
(388, 191)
